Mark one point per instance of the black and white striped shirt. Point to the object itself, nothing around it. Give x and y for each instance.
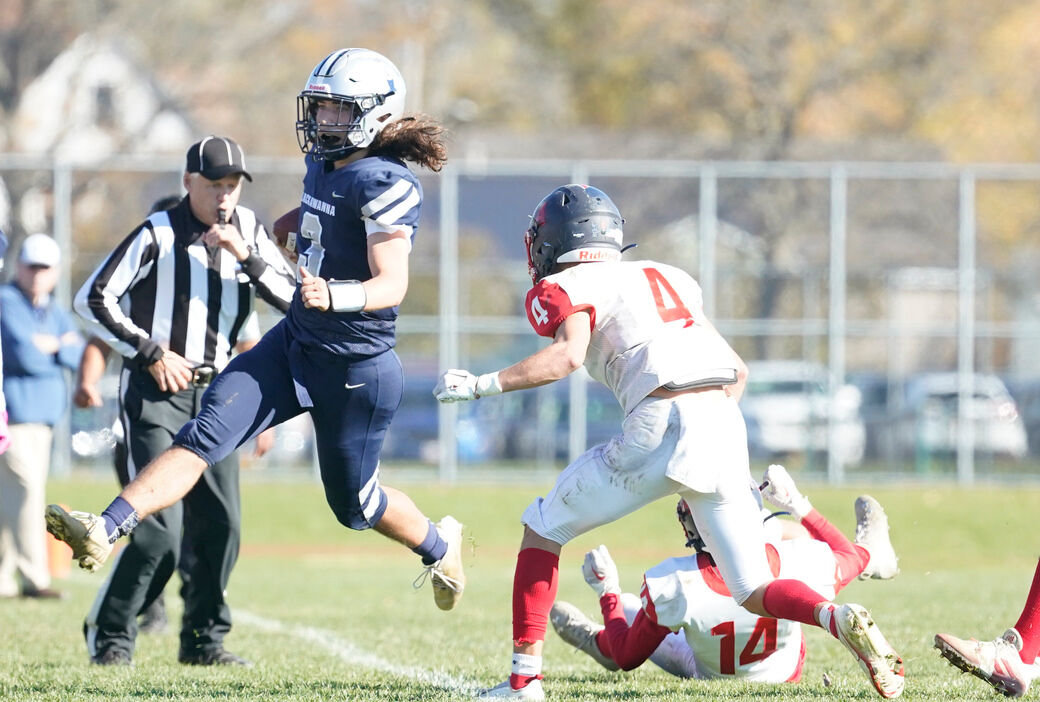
(163, 288)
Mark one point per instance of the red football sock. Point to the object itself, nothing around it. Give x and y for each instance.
(793, 600)
(534, 590)
(1029, 621)
(850, 558)
(603, 641)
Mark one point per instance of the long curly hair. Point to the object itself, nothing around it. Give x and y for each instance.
(416, 138)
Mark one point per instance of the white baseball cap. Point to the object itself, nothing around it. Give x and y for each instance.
(40, 250)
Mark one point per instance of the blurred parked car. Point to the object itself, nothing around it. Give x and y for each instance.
(537, 421)
(879, 408)
(787, 406)
(932, 400)
(1026, 393)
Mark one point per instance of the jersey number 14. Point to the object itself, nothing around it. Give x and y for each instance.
(764, 628)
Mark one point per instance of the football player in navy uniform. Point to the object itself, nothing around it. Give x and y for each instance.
(332, 355)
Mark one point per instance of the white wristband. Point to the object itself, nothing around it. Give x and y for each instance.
(487, 384)
(347, 296)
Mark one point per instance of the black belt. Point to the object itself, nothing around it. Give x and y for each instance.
(202, 376)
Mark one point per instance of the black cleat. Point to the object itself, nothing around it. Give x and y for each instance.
(211, 656)
(112, 656)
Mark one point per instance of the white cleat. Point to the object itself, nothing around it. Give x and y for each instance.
(997, 662)
(83, 531)
(579, 631)
(860, 635)
(872, 534)
(446, 575)
(531, 691)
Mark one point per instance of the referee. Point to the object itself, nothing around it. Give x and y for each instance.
(172, 298)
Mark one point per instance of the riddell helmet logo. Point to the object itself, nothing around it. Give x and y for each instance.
(588, 255)
(318, 88)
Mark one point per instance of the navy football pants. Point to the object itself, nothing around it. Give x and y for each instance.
(352, 402)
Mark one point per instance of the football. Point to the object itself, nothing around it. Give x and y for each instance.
(284, 231)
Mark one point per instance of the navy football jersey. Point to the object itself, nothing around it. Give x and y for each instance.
(339, 210)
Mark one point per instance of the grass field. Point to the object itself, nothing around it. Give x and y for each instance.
(329, 614)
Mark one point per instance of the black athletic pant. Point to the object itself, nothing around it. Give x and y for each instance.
(208, 519)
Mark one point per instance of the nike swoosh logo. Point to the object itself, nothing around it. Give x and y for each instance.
(348, 386)
(335, 194)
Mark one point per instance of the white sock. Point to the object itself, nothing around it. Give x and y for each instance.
(529, 666)
(827, 619)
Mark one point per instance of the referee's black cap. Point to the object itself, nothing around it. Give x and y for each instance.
(216, 157)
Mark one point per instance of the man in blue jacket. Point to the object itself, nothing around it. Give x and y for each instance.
(39, 342)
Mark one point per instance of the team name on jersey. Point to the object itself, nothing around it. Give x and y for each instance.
(319, 205)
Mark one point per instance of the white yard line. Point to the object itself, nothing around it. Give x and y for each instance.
(333, 644)
(350, 653)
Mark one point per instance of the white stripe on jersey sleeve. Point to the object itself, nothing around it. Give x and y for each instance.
(374, 227)
(392, 194)
(389, 218)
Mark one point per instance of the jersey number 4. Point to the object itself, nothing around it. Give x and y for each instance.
(764, 626)
(669, 306)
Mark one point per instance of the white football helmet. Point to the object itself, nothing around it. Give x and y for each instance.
(369, 91)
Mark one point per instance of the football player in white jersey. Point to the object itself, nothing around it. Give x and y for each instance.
(639, 328)
(687, 623)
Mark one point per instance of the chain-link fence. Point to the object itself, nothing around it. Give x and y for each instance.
(901, 296)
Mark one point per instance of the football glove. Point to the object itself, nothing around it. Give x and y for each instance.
(600, 572)
(778, 489)
(461, 385)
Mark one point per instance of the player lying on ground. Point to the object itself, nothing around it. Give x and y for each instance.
(688, 624)
(1008, 663)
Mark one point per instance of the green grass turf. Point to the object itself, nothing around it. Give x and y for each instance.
(329, 614)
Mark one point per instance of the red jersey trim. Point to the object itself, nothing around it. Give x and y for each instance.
(713, 578)
(796, 676)
(548, 305)
(648, 604)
